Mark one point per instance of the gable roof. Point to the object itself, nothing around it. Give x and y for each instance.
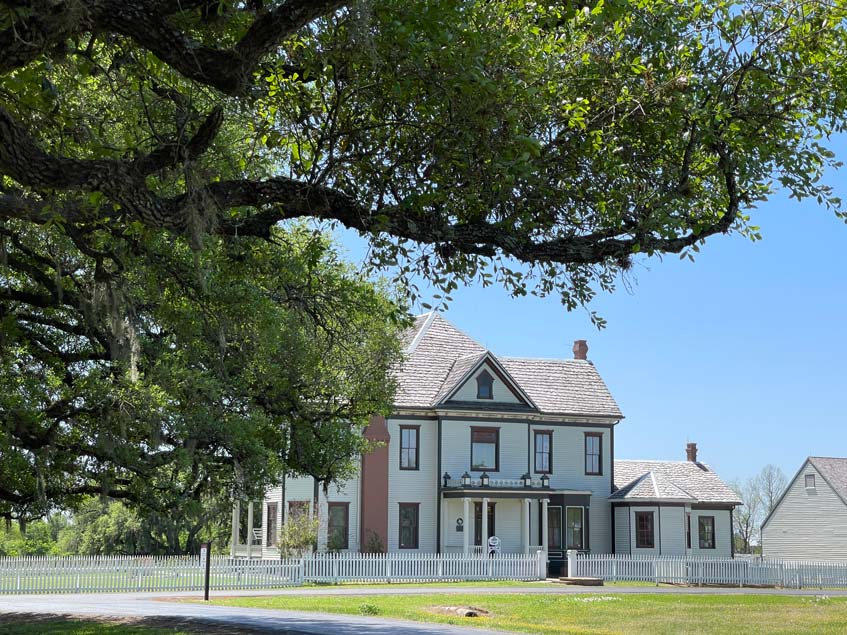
(833, 470)
(439, 356)
(670, 480)
(465, 367)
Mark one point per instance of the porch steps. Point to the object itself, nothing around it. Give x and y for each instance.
(581, 581)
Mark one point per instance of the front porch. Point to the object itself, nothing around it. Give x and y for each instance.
(526, 515)
(246, 539)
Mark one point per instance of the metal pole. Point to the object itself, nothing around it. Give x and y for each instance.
(205, 562)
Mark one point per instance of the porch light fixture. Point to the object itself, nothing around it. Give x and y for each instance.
(466, 480)
(527, 480)
(447, 478)
(545, 480)
(483, 480)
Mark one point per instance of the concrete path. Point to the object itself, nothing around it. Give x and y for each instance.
(122, 605)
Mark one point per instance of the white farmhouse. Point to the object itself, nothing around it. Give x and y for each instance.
(809, 521)
(480, 445)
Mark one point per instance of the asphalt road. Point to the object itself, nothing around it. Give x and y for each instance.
(121, 605)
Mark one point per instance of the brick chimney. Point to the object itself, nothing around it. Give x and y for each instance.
(691, 452)
(580, 349)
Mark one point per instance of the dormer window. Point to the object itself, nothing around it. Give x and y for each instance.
(484, 385)
(810, 481)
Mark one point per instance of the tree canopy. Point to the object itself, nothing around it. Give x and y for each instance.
(544, 144)
(159, 328)
(192, 374)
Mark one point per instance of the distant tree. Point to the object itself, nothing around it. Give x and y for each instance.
(747, 517)
(759, 495)
(771, 485)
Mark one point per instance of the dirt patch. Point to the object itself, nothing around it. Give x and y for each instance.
(189, 625)
(461, 611)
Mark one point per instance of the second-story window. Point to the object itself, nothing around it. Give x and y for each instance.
(593, 453)
(543, 451)
(410, 437)
(484, 385)
(485, 449)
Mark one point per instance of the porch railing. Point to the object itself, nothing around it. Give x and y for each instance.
(504, 483)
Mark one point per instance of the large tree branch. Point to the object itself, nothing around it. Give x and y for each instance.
(229, 70)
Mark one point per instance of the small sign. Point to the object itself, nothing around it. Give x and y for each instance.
(493, 545)
(203, 551)
(460, 524)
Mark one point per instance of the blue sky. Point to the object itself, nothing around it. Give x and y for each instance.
(742, 351)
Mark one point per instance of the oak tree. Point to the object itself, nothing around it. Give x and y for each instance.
(150, 150)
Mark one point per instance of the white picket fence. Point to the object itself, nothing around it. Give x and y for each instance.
(426, 567)
(79, 574)
(716, 571)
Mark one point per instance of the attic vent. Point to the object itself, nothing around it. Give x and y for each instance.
(484, 385)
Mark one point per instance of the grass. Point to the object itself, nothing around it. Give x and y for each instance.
(609, 614)
(26, 625)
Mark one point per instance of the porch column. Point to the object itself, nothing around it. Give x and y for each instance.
(236, 521)
(484, 536)
(250, 529)
(544, 524)
(441, 533)
(525, 514)
(467, 525)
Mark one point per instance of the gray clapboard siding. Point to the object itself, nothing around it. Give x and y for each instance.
(807, 524)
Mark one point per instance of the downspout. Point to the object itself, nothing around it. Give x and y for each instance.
(732, 532)
(659, 507)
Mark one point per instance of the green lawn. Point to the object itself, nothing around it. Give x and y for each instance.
(607, 614)
(35, 626)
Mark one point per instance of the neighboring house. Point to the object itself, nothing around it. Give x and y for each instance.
(672, 508)
(480, 445)
(809, 521)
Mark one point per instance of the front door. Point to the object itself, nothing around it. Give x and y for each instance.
(555, 547)
(477, 524)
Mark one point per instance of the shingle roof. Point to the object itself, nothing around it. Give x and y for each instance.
(434, 345)
(653, 486)
(563, 386)
(438, 355)
(670, 479)
(834, 470)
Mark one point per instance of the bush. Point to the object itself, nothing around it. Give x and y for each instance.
(374, 543)
(299, 533)
(368, 609)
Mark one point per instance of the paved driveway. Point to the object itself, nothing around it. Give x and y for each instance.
(302, 623)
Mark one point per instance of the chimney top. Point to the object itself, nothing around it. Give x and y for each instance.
(691, 452)
(580, 349)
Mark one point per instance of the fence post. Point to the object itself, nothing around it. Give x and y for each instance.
(572, 573)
